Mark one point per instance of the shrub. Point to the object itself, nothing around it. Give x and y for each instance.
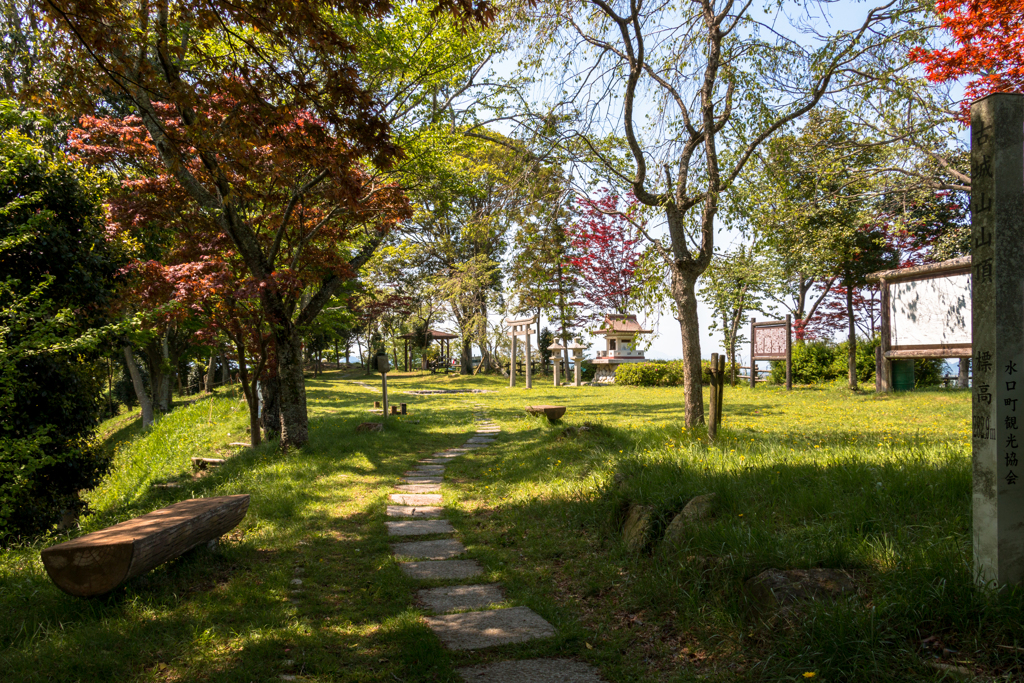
(813, 362)
(865, 360)
(659, 373)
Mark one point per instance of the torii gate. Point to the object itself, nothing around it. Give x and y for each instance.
(516, 328)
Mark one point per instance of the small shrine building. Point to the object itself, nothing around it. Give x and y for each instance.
(619, 332)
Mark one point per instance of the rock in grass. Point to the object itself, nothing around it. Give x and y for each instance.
(636, 532)
(699, 508)
(781, 587)
(370, 427)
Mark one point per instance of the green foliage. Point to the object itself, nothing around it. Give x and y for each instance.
(813, 362)
(56, 271)
(865, 360)
(660, 373)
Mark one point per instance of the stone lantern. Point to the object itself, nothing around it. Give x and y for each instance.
(556, 360)
(577, 357)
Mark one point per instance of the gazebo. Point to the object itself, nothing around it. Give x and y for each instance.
(443, 338)
(619, 332)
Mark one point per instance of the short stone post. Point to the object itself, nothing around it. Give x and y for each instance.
(997, 250)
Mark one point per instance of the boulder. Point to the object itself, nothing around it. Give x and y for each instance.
(636, 532)
(699, 508)
(782, 587)
(370, 427)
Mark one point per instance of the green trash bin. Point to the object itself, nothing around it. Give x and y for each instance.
(903, 375)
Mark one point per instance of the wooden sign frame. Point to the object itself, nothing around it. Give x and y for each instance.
(888, 351)
(786, 355)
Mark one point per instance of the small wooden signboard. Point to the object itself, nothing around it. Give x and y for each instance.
(771, 340)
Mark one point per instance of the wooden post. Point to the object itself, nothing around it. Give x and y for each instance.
(713, 402)
(997, 321)
(789, 352)
(878, 369)
(721, 387)
(407, 355)
(403, 408)
(512, 360)
(753, 364)
(963, 374)
(885, 367)
(529, 380)
(384, 384)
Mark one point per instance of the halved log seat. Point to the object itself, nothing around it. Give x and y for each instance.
(99, 562)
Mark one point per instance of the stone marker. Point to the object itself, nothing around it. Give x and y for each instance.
(451, 598)
(414, 511)
(775, 587)
(532, 671)
(441, 569)
(416, 498)
(997, 285)
(419, 527)
(699, 508)
(636, 532)
(417, 488)
(474, 630)
(444, 549)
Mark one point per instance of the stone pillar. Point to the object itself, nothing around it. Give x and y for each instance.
(997, 250)
(555, 362)
(578, 371)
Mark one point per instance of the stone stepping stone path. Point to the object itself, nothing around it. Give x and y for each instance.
(467, 616)
(420, 527)
(444, 549)
(532, 671)
(414, 511)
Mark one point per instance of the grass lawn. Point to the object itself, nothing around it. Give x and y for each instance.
(819, 477)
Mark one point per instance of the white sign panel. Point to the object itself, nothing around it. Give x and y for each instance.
(930, 313)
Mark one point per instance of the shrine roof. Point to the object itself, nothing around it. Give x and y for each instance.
(621, 322)
(431, 334)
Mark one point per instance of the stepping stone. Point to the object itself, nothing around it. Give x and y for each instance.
(441, 569)
(414, 511)
(481, 439)
(422, 480)
(532, 671)
(445, 549)
(418, 488)
(419, 527)
(416, 498)
(439, 460)
(475, 630)
(425, 471)
(451, 598)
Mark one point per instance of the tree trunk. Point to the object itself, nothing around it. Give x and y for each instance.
(467, 356)
(963, 379)
(684, 292)
(852, 339)
(270, 414)
(210, 370)
(154, 354)
(140, 391)
(292, 396)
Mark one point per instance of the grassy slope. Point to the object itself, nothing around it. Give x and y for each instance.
(879, 486)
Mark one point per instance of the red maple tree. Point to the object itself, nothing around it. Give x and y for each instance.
(605, 242)
(307, 240)
(989, 46)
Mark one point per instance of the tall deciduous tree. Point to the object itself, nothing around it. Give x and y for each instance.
(235, 97)
(722, 84)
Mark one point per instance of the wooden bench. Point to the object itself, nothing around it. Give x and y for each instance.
(553, 413)
(97, 563)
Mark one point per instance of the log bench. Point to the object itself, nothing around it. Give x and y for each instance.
(97, 563)
(553, 413)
